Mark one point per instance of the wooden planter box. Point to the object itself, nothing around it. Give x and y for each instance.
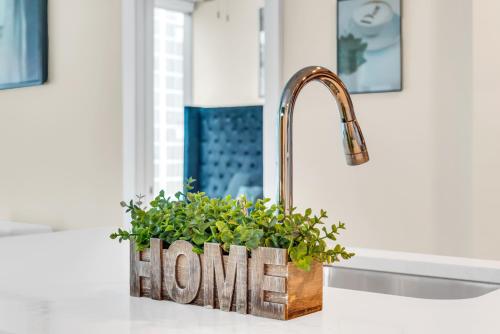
(265, 284)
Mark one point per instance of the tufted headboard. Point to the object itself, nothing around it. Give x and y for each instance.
(223, 150)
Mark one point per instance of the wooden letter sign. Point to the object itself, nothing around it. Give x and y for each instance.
(265, 285)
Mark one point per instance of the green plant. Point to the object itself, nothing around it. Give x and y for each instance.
(194, 217)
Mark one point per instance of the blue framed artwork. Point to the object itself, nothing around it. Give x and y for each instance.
(23, 43)
(369, 45)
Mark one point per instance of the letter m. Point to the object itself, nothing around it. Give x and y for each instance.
(225, 277)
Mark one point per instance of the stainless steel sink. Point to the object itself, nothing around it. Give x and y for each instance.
(404, 285)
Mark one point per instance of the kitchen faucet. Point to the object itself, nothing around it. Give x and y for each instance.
(355, 149)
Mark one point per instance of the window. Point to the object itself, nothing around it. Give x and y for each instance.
(169, 57)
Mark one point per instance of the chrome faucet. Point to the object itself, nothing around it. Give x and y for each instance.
(355, 149)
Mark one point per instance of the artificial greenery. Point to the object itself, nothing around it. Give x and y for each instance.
(194, 217)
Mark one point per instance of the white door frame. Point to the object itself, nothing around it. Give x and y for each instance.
(273, 26)
(137, 91)
(137, 79)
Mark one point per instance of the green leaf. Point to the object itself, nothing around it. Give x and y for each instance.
(227, 236)
(197, 250)
(302, 249)
(197, 218)
(220, 225)
(199, 239)
(304, 263)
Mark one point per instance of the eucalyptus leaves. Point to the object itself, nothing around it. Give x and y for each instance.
(196, 218)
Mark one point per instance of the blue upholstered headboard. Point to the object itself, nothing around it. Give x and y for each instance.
(223, 149)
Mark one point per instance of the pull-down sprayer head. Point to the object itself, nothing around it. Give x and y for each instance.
(354, 144)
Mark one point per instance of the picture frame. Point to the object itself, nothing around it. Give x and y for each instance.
(369, 45)
(23, 43)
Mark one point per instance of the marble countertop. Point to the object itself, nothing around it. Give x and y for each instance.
(77, 282)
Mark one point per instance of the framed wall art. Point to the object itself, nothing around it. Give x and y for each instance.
(369, 45)
(23, 43)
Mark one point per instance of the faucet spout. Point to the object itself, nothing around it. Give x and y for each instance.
(355, 149)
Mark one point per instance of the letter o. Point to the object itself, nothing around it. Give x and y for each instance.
(178, 294)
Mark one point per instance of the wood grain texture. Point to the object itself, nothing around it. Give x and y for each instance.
(187, 292)
(183, 276)
(155, 263)
(277, 289)
(145, 255)
(212, 271)
(139, 269)
(226, 278)
(261, 283)
(239, 258)
(305, 290)
(135, 278)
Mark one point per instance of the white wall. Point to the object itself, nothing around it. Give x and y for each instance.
(61, 142)
(226, 54)
(486, 133)
(416, 193)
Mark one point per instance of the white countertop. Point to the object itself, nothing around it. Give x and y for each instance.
(9, 228)
(77, 282)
